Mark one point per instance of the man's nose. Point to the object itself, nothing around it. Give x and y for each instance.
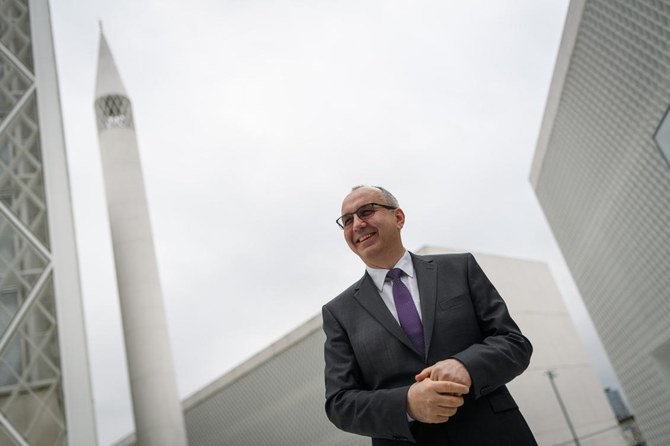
(359, 222)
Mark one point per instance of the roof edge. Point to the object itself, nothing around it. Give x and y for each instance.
(247, 366)
(568, 41)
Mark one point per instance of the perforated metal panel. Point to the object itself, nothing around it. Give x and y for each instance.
(277, 401)
(605, 189)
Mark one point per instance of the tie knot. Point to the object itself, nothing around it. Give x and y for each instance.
(395, 273)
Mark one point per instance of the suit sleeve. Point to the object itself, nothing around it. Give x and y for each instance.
(349, 406)
(504, 352)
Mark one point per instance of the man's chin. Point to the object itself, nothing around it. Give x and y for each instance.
(368, 256)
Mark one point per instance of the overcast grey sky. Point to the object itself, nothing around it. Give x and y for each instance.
(255, 118)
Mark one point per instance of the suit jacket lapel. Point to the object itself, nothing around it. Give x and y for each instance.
(426, 278)
(367, 295)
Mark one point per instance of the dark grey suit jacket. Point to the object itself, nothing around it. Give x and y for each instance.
(370, 361)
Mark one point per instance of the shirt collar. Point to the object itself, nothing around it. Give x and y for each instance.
(378, 275)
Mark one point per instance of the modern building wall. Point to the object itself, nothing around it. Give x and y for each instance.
(603, 181)
(45, 392)
(277, 397)
(274, 398)
(537, 307)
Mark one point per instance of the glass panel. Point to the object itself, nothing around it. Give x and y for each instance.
(13, 85)
(33, 402)
(10, 360)
(662, 136)
(20, 267)
(15, 30)
(6, 438)
(21, 179)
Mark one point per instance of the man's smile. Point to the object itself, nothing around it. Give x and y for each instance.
(364, 237)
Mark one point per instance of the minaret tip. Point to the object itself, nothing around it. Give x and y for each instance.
(108, 81)
(100, 25)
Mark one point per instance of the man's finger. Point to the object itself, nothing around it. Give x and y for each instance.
(450, 387)
(423, 374)
(451, 402)
(442, 414)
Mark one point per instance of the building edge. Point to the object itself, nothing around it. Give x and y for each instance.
(285, 342)
(568, 40)
(76, 381)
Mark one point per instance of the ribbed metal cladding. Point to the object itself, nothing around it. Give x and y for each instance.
(274, 398)
(272, 403)
(605, 189)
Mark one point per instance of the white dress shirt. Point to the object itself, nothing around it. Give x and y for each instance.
(385, 286)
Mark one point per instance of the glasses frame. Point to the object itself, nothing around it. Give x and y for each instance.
(340, 220)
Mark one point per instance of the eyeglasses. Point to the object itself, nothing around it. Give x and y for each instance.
(364, 212)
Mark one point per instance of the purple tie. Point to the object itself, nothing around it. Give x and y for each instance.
(407, 314)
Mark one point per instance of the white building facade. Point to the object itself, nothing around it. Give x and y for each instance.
(601, 174)
(45, 390)
(537, 307)
(277, 397)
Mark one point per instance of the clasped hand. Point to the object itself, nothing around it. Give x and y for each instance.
(438, 391)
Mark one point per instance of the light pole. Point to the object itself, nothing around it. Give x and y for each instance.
(551, 374)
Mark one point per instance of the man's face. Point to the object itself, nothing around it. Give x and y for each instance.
(375, 239)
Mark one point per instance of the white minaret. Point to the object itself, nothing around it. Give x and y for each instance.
(159, 419)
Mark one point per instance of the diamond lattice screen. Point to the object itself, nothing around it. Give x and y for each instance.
(31, 401)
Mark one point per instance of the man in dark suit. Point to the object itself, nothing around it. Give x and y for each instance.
(419, 350)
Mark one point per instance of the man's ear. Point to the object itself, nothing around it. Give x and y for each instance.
(399, 218)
